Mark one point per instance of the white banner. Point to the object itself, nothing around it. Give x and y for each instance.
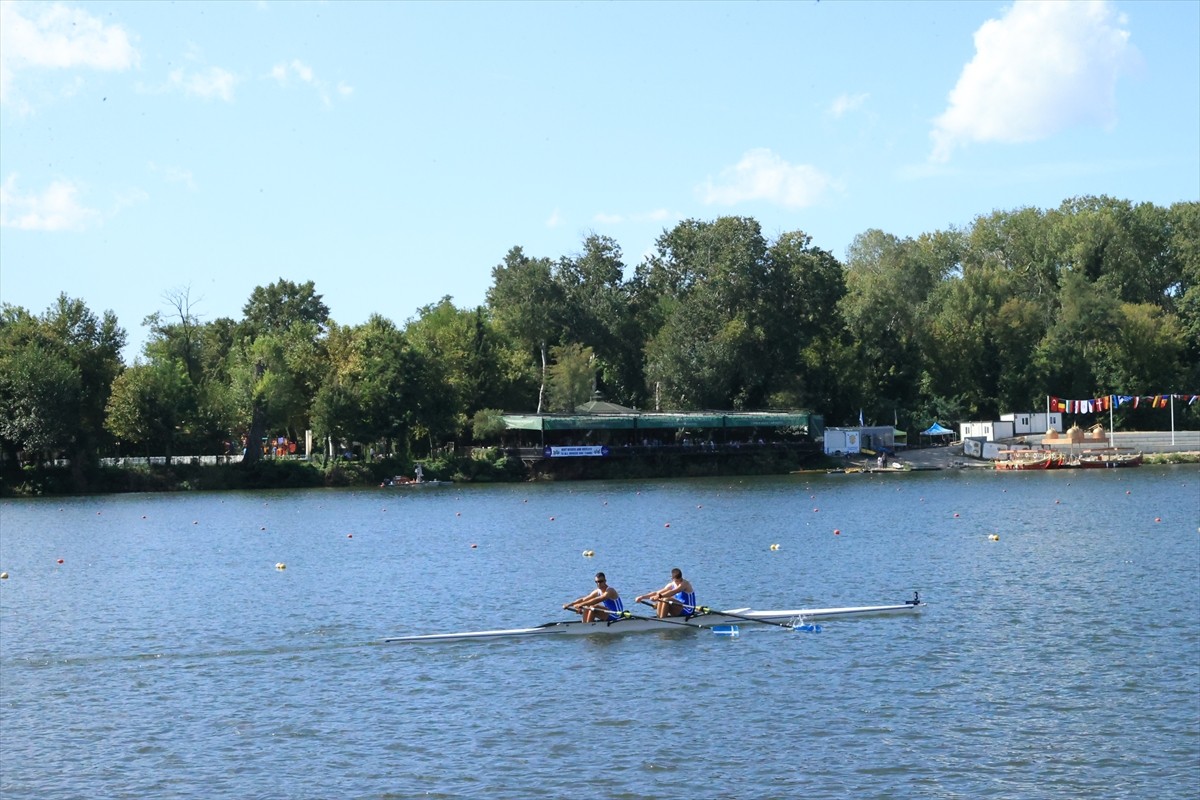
(578, 450)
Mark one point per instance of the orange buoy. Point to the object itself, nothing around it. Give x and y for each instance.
(473, 545)
(60, 561)
(349, 535)
(666, 524)
(837, 532)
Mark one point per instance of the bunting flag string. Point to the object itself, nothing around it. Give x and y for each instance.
(1109, 402)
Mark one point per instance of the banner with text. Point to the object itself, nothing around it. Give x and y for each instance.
(576, 450)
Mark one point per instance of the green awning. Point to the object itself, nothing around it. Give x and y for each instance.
(660, 421)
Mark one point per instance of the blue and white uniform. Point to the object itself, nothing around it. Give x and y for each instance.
(688, 601)
(614, 605)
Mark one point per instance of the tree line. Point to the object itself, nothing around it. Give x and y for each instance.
(1094, 297)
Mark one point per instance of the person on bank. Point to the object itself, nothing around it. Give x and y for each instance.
(676, 599)
(600, 605)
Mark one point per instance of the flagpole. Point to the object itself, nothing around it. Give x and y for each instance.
(1112, 434)
(1172, 420)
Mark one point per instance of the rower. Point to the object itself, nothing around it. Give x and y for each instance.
(676, 599)
(602, 604)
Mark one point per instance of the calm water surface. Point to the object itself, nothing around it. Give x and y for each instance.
(168, 657)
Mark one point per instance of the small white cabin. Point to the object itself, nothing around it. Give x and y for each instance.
(1031, 422)
(988, 431)
(845, 441)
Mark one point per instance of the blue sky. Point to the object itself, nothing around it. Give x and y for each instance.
(394, 152)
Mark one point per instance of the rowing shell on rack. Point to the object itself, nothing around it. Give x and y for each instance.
(706, 620)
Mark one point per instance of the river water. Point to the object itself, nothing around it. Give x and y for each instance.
(168, 656)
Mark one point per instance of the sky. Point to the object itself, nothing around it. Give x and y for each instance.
(393, 153)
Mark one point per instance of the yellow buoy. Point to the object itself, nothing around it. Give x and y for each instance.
(281, 565)
(3, 576)
(993, 537)
(774, 547)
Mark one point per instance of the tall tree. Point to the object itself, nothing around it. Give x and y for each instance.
(82, 355)
(715, 286)
(279, 358)
(889, 282)
(527, 304)
(597, 314)
(572, 376)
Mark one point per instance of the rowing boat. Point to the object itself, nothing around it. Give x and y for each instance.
(703, 621)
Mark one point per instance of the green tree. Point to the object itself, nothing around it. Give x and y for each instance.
(278, 364)
(889, 282)
(714, 346)
(40, 389)
(147, 406)
(527, 303)
(572, 376)
(597, 314)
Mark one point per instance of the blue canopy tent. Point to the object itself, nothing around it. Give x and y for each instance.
(936, 429)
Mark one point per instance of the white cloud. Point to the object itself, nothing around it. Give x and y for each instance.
(283, 72)
(1044, 66)
(847, 102)
(174, 175)
(763, 175)
(208, 83)
(554, 220)
(57, 208)
(58, 37)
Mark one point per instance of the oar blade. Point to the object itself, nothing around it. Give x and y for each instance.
(726, 630)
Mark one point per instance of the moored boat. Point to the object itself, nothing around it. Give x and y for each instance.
(1109, 460)
(1036, 461)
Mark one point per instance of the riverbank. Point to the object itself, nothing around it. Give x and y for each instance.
(485, 466)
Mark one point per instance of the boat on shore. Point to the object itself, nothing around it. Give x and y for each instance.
(707, 619)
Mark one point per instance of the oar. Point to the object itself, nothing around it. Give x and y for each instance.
(789, 626)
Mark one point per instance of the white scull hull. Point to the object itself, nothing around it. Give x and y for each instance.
(639, 623)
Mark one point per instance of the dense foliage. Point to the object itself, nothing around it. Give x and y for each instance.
(1095, 297)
